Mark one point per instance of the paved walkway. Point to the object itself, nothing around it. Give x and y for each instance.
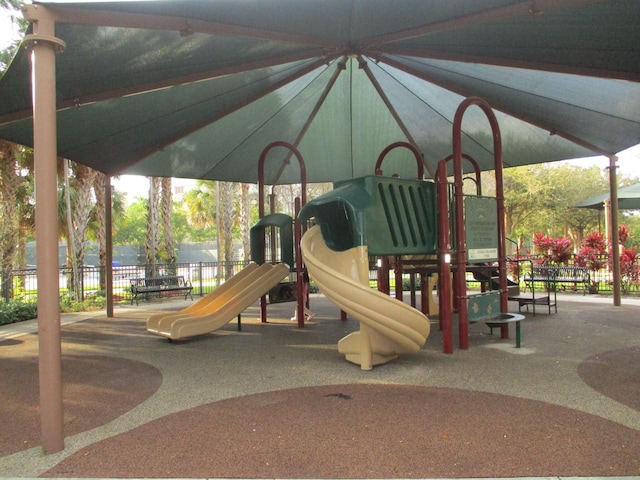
(276, 401)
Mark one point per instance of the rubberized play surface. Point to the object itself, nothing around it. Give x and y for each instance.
(277, 401)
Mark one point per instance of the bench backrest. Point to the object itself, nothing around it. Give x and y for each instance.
(573, 272)
(546, 272)
(177, 280)
(561, 272)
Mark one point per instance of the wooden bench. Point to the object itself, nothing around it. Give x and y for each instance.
(553, 275)
(485, 308)
(176, 284)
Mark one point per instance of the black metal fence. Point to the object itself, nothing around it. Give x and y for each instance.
(600, 279)
(204, 276)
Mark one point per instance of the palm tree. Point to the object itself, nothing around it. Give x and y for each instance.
(244, 220)
(12, 9)
(97, 226)
(167, 244)
(10, 182)
(202, 211)
(76, 209)
(153, 239)
(227, 220)
(200, 204)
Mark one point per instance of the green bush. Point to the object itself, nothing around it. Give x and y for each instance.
(91, 302)
(17, 311)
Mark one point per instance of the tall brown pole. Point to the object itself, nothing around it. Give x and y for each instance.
(44, 45)
(459, 276)
(108, 233)
(615, 255)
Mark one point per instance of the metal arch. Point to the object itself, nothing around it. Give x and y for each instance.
(463, 313)
(413, 148)
(297, 225)
(261, 162)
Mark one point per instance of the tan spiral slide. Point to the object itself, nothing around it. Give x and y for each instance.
(388, 327)
(219, 307)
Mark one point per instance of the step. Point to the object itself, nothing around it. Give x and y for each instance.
(530, 300)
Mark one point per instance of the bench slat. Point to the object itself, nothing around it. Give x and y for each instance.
(165, 283)
(552, 275)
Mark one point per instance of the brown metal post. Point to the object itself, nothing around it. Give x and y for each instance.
(397, 270)
(108, 264)
(615, 255)
(301, 300)
(461, 254)
(383, 275)
(444, 259)
(424, 299)
(502, 247)
(44, 45)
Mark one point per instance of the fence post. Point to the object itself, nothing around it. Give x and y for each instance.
(82, 283)
(7, 284)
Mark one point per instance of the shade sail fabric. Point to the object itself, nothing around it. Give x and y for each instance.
(628, 199)
(198, 89)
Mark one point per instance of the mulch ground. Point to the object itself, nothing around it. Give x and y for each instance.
(365, 431)
(96, 390)
(615, 374)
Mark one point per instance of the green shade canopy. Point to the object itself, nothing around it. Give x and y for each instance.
(628, 199)
(197, 89)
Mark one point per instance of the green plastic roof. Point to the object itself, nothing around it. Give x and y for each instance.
(628, 199)
(197, 89)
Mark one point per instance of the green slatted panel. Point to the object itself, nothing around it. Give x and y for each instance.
(392, 216)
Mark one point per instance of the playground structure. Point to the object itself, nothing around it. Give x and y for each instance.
(264, 274)
(391, 217)
(406, 222)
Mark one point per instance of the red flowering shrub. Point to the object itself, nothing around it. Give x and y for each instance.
(552, 250)
(542, 243)
(591, 254)
(623, 234)
(595, 240)
(629, 269)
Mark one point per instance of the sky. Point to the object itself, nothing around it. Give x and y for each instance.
(7, 32)
(628, 160)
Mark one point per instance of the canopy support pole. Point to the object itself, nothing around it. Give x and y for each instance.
(615, 254)
(44, 45)
(108, 227)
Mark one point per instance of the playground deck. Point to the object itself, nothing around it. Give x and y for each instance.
(277, 401)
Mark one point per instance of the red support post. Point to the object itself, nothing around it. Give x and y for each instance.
(444, 258)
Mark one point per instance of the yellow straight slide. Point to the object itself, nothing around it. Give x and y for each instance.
(204, 302)
(200, 305)
(221, 306)
(388, 327)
